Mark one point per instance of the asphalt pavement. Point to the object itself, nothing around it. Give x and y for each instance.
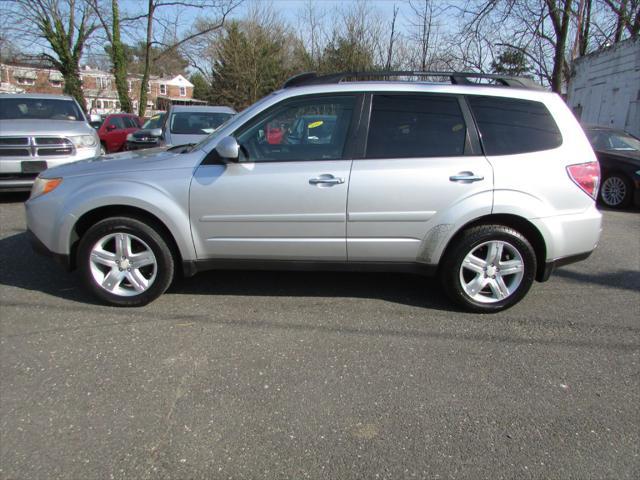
(319, 375)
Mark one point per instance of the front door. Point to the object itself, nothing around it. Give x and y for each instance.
(286, 197)
(419, 167)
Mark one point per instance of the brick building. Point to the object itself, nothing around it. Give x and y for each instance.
(99, 87)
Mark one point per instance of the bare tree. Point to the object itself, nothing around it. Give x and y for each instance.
(392, 37)
(111, 27)
(166, 43)
(62, 29)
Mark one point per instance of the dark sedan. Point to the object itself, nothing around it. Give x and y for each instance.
(148, 136)
(619, 156)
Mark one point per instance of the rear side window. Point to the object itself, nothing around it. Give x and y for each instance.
(509, 126)
(407, 126)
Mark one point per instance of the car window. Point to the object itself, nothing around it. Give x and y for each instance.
(405, 126)
(130, 122)
(154, 122)
(39, 109)
(118, 122)
(605, 140)
(313, 128)
(197, 123)
(510, 126)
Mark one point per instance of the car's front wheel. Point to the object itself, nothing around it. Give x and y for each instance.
(125, 261)
(615, 191)
(488, 268)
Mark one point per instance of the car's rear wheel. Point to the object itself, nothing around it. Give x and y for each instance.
(125, 261)
(616, 191)
(489, 268)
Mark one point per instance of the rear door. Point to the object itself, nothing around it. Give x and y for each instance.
(283, 199)
(421, 160)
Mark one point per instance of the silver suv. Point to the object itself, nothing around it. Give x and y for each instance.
(39, 131)
(490, 187)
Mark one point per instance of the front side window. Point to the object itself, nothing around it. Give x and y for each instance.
(303, 129)
(117, 122)
(509, 126)
(415, 126)
(130, 122)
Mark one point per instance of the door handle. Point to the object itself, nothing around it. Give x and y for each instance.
(466, 177)
(326, 179)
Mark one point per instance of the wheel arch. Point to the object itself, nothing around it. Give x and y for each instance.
(91, 217)
(522, 225)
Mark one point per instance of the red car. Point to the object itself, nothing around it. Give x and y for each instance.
(114, 130)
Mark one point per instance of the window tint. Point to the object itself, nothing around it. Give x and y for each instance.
(405, 126)
(311, 129)
(117, 122)
(509, 126)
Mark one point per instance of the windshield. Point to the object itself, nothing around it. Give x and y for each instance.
(197, 123)
(154, 122)
(611, 140)
(39, 109)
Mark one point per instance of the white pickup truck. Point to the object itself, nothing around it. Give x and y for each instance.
(38, 132)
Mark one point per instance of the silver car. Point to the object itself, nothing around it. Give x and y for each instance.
(41, 131)
(487, 187)
(185, 125)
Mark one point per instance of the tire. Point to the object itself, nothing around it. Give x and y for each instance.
(616, 191)
(476, 282)
(125, 262)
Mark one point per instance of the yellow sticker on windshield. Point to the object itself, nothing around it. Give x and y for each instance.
(316, 124)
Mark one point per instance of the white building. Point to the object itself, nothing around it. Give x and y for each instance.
(605, 87)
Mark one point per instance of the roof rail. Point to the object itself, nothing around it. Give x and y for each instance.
(456, 78)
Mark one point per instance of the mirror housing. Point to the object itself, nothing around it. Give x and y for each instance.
(228, 148)
(156, 132)
(111, 127)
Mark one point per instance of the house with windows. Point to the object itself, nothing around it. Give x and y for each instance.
(99, 87)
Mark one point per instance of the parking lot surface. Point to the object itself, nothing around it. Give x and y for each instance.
(319, 375)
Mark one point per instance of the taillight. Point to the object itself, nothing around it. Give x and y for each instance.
(586, 176)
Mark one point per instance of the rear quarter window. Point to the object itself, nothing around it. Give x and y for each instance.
(510, 126)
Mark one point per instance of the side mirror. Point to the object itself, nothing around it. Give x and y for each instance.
(111, 127)
(228, 148)
(156, 132)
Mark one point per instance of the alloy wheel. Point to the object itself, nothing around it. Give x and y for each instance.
(123, 264)
(491, 271)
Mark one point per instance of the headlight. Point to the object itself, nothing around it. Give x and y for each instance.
(84, 141)
(130, 137)
(44, 185)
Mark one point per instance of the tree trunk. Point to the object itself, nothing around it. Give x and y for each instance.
(119, 61)
(142, 106)
(561, 27)
(73, 85)
(622, 21)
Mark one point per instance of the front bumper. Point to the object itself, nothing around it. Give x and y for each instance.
(41, 249)
(140, 145)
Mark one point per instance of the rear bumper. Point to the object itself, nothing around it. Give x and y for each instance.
(551, 266)
(41, 249)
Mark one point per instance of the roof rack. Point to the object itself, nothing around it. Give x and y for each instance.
(456, 78)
